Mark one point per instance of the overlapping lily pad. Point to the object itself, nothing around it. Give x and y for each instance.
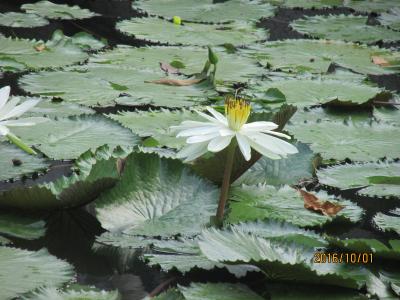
(284, 204)
(282, 171)
(309, 3)
(107, 85)
(207, 10)
(17, 19)
(387, 115)
(163, 31)
(373, 179)
(156, 124)
(22, 271)
(277, 259)
(19, 226)
(22, 54)
(358, 141)
(73, 293)
(344, 27)
(92, 174)
(56, 109)
(67, 138)
(386, 222)
(372, 5)
(15, 163)
(157, 197)
(57, 11)
(316, 56)
(306, 91)
(391, 18)
(189, 60)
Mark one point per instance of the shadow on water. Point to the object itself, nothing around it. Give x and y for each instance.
(71, 233)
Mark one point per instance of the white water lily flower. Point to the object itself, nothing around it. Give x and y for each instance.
(218, 133)
(11, 110)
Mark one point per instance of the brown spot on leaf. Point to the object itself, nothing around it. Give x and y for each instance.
(380, 61)
(176, 82)
(40, 47)
(167, 68)
(324, 207)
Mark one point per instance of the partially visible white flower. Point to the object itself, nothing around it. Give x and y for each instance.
(10, 110)
(218, 133)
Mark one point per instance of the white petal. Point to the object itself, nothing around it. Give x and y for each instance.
(201, 138)
(192, 152)
(262, 150)
(190, 124)
(244, 146)
(219, 143)
(220, 117)
(4, 130)
(274, 144)
(259, 126)
(226, 131)
(20, 109)
(198, 131)
(24, 122)
(9, 106)
(209, 118)
(4, 94)
(278, 134)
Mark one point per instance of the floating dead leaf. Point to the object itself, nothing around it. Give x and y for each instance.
(380, 61)
(326, 208)
(176, 82)
(169, 69)
(40, 47)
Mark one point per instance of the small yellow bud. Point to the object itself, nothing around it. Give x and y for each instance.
(177, 20)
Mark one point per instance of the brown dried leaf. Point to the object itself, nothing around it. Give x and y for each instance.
(169, 69)
(121, 165)
(326, 208)
(40, 47)
(176, 82)
(380, 61)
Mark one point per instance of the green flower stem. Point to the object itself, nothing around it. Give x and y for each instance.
(226, 182)
(16, 141)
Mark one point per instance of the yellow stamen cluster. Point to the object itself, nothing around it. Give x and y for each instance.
(237, 112)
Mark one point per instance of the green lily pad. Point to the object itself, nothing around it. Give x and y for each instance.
(344, 27)
(207, 10)
(371, 5)
(391, 18)
(218, 291)
(309, 3)
(16, 19)
(189, 60)
(358, 141)
(57, 11)
(373, 179)
(163, 31)
(56, 109)
(22, 54)
(67, 138)
(304, 92)
(20, 226)
(157, 197)
(250, 203)
(156, 124)
(316, 56)
(377, 248)
(388, 222)
(14, 162)
(280, 172)
(92, 173)
(73, 293)
(387, 115)
(107, 85)
(288, 262)
(22, 271)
